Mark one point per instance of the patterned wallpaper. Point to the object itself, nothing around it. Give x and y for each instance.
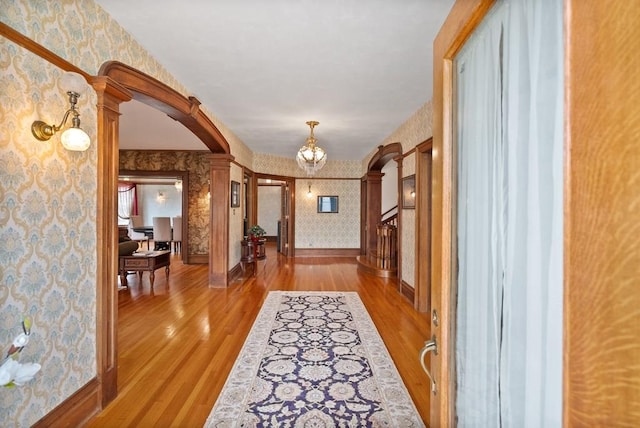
(288, 167)
(48, 235)
(328, 230)
(236, 220)
(197, 164)
(408, 228)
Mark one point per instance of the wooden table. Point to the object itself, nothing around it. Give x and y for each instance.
(252, 251)
(144, 261)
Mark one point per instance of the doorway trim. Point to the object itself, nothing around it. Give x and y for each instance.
(117, 83)
(290, 182)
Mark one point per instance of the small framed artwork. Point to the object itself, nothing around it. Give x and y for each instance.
(327, 204)
(409, 192)
(235, 194)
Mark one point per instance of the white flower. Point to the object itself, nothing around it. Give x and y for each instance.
(7, 369)
(26, 372)
(19, 374)
(21, 340)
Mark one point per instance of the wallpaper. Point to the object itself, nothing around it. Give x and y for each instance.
(412, 132)
(197, 164)
(408, 237)
(288, 167)
(48, 235)
(328, 230)
(236, 219)
(85, 35)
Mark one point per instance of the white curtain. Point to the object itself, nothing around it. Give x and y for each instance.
(509, 308)
(126, 200)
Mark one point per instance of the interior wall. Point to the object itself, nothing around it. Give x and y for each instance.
(197, 165)
(151, 204)
(269, 207)
(236, 219)
(327, 230)
(389, 186)
(48, 254)
(288, 167)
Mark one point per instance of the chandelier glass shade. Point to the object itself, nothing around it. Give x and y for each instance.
(311, 158)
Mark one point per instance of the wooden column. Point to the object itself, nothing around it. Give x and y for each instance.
(374, 209)
(110, 95)
(220, 180)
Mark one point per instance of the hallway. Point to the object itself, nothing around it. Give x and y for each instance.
(177, 342)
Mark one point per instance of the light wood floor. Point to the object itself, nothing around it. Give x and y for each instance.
(177, 342)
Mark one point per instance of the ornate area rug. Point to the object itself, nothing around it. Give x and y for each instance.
(314, 359)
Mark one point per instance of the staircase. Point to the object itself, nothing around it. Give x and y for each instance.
(383, 260)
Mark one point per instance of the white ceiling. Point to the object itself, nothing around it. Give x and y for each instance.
(264, 68)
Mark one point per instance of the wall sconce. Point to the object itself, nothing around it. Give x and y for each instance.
(178, 185)
(161, 197)
(209, 189)
(309, 194)
(73, 138)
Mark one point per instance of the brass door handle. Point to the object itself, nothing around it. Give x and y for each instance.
(429, 345)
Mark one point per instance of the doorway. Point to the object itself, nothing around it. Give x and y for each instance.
(275, 210)
(163, 191)
(117, 83)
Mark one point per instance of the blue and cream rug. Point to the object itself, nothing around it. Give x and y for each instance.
(314, 359)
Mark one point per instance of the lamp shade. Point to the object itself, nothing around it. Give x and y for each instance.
(75, 139)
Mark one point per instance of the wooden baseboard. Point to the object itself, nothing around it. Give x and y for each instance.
(197, 259)
(327, 252)
(235, 273)
(76, 410)
(407, 291)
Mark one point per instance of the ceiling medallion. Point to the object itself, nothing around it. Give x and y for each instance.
(310, 157)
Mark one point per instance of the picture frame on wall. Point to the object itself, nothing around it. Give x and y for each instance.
(409, 192)
(235, 194)
(327, 204)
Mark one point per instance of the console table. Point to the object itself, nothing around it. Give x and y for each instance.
(144, 261)
(252, 252)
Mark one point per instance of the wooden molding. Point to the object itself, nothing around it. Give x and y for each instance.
(155, 93)
(407, 291)
(75, 410)
(235, 273)
(197, 259)
(464, 16)
(364, 265)
(383, 156)
(327, 252)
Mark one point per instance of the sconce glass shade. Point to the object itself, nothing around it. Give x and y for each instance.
(72, 82)
(75, 139)
(178, 185)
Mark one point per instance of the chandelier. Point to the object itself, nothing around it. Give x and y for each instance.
(310, 157)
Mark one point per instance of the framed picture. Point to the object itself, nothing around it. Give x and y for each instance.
(327, 204)
(409, 192)
(235, 194)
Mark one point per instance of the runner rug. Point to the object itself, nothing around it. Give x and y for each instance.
(314, 359)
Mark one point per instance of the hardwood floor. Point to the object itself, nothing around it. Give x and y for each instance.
(177, 343)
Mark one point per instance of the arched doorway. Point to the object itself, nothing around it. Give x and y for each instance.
(117, 83)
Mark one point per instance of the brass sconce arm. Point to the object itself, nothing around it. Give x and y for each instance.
(43, 131)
